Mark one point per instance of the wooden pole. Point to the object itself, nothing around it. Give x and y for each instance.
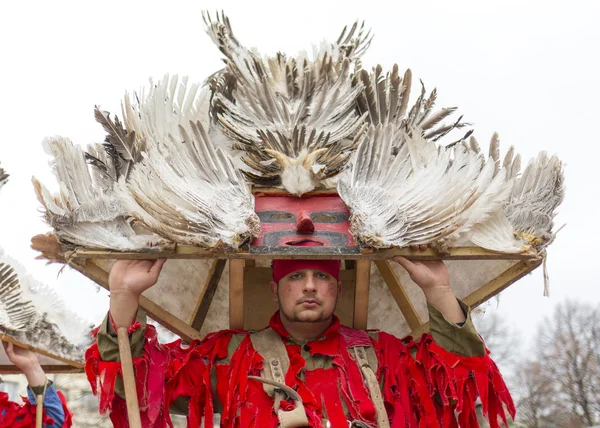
(133, 408)
(399, 294)
(236, 294)
(39, 411)
(361, 294)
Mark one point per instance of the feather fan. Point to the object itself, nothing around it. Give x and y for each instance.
(526, 219)
(384, 99)
(85, 212)
(190, 192)
(31, 313)
(423, 195)
(264, 104)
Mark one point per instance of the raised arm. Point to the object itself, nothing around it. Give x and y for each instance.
(163, 371)
(127, 281)
(54, 404)
(444, 372)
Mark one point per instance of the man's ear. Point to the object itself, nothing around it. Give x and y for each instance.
(339, 287)
(273, 287)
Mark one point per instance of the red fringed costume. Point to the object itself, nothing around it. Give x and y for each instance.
(14, 415)
(423, 385)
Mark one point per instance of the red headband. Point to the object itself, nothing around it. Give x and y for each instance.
(282, 268)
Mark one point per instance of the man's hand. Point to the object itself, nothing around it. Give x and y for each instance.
(127, 281)
(429, 275)
(27, 362)
(433, 278)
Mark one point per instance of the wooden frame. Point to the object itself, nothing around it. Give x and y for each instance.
(491, 288)
(243, 262)
(189, 252)
(70, 365)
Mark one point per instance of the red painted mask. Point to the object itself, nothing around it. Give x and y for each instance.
(286, 221)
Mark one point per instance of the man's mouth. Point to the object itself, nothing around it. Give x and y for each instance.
(310, 303)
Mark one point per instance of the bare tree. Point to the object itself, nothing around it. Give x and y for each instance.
(537, 403)
(500, 338)
(570, 358)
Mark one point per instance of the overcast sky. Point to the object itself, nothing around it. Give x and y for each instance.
(526, 69)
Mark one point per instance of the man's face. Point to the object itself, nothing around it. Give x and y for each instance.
(306, 295)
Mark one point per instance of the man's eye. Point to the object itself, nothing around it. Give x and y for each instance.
(296, 276)
(322, 275)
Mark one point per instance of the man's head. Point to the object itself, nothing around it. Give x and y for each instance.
(306, 290)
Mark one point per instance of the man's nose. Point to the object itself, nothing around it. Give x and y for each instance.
(304, 224)
(309, 284)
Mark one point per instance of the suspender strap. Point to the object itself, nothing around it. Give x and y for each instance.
(276, 363)
(360, 355)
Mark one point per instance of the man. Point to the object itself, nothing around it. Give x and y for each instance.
(305, 369)
(56, 414)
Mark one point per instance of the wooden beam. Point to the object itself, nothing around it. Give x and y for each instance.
(399, 293)
(491, 288)
(154, 311)
(274, 191)
(190, 252)
(207, 294)
(501, 282)
(361, 294)
(236, 294)
(250, 263)
(48, 369)
(77, 364)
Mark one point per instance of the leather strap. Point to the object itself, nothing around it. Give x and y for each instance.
(269, 345)
(362, 360)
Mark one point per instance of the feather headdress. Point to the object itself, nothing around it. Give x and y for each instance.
(176, 168)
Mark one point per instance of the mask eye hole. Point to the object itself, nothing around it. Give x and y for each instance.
(276, 216)
(329, 217)
(281, 216)
(324, 218)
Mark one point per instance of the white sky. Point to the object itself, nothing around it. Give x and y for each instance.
(525, 69)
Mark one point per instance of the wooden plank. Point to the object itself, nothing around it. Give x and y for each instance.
(236, 294)
(77, 364)
(501, 282)
(491, 288)
(349, 264)
(190, 252)
(259, 304)
(361, 294)
(207, 294)
(129, 383)
(48, 369)
(274, 191)
(154, 311)
(399, 293)
(250, 263)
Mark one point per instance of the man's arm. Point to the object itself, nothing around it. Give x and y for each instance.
(128, 279)
(449, 319)
(27, 361)
(443, 373)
